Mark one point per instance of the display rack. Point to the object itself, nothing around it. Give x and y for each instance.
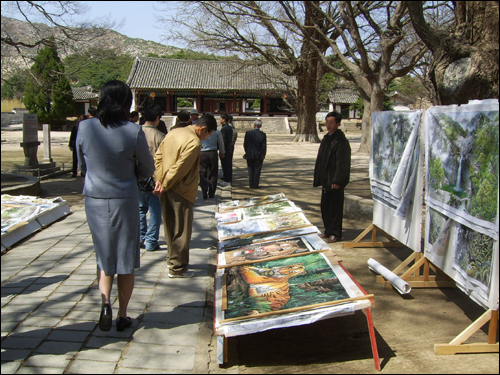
(373, 243)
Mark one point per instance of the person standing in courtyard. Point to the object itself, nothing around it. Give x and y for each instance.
(209, 163)
(149, 202)
(177, 163)
(227, 161)
(331, 172)
(113, 153)
(72, 144)
(255, 145)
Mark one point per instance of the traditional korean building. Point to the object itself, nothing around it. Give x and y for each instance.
(84, 98)
(211, 86)
(341, 100)
(401, 102)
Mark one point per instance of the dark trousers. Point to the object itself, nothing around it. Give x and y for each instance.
(75, 162)
(254, 169)
(332, 211)
(227, 164)
(208, 173)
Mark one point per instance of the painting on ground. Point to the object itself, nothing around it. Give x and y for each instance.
(281, 284)
(462, 164)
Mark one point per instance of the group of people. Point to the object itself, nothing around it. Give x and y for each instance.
(132, 169)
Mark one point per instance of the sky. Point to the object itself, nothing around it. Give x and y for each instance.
(138, 17)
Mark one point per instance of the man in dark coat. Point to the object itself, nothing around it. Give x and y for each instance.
(332, 170)
(255, 145)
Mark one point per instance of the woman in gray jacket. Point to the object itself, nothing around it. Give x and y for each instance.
(113, 153)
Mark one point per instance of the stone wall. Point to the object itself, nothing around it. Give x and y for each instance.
(271, 125)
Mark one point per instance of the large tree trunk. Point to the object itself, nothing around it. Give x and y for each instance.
(376, 103)
(306, 109)
(465, 61)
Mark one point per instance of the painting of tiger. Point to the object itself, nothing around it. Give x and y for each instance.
(270, 284)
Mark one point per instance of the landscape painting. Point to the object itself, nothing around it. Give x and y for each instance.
(263, 237)
(268, 209)
(281, 284)
(231, 205)
(462, 161)
(473, 255)
(276, 223)
(391, 131)
(265, 250)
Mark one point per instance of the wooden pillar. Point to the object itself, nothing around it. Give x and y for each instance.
(168, 102)
(264, 106)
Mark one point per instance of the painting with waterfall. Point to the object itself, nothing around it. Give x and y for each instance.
(394, 157)
(462, 164)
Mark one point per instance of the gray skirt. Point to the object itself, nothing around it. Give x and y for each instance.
(114, 224)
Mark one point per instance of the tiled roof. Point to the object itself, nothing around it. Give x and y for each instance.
(343, 96)
(405, 98)
(84, 93)
(157, 73)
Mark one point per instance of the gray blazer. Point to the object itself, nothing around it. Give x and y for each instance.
(112, 159)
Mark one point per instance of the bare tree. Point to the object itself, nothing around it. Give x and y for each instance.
(374, 42)
(263, 32)
(62, 20)
(465, 55)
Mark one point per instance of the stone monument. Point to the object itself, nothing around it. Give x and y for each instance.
(30, 145)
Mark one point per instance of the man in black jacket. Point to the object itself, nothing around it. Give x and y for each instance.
(255, 145)
(332, 170)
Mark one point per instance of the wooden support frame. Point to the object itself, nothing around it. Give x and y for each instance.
(457, 344)
(417, 277)
(373, 243)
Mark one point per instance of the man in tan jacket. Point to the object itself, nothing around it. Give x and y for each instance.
(177, 163)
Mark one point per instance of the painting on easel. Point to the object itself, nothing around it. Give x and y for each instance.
(280, 285)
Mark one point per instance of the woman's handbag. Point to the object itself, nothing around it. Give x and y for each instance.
(146, 185)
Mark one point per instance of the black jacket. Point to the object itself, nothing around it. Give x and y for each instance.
(333, 164)
(255, 144)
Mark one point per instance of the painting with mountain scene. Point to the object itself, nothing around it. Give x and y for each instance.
(462, 164)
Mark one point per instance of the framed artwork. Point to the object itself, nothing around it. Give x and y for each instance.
(272, 249)
(280, 285)
(232, 205)
(272, 224)
(264, 237)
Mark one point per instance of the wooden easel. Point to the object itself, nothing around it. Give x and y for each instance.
(417, 277)
(356, 242)
(457, 344)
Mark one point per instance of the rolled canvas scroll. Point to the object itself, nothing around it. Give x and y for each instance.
(401, 286)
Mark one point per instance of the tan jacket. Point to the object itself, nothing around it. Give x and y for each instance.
(154, 138)
(177, 162)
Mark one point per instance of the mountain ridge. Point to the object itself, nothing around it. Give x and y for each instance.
(23, 31)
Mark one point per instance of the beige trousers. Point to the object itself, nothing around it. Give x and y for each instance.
(177, 215)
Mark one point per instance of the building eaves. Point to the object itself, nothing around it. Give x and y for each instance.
(184, 75)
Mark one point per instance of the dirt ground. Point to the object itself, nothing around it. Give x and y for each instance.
(406, 327)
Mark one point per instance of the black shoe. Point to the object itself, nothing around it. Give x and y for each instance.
(106, 318)
(205, 195)
(122, 323)
(142, 245)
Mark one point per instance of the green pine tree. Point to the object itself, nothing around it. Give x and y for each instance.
(48, 93)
